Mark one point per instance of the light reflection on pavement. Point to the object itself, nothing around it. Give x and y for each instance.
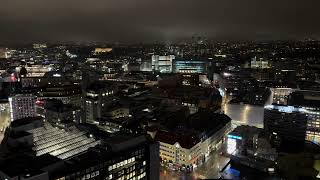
(244, 114)
(209, 170)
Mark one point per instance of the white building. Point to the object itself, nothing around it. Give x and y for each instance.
(187, 148)
(162, 64)
(280, 95)
(22, 105)
(259, 63)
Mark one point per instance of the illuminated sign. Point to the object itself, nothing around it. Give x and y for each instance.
(231, 145)
(234, 137)
(57, 75)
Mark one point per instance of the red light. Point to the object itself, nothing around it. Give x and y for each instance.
(40, 103)
(13, 78)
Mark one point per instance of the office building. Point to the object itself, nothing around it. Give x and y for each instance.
(280, 95)
(68, 94)
(102, 50)
(22, 105)
(98, 95)
(250, 146)
(286, 125)
(36, 70)
(189, 66)
(162, 64)
(285, 75)
(310, 101)
(259, 63)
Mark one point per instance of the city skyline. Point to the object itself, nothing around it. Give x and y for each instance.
(159, 89)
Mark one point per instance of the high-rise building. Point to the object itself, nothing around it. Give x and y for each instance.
(286, 125)
(97, 96)
(310, 101)
(22, 105)
(162, 64)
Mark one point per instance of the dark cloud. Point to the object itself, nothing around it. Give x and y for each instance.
(149, 20)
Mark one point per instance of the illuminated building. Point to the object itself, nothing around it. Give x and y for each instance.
(280, 95)
(32, 81)
(2, 53)
(189, 66)
(68, 94)
(102, 50)
(246, 143)
(114, 117)
(22, 105)
(37, 70)
(195, 80)
(187, 148)
(259, 64)
(123, 158)
(46, 138)
(82, 157)
(39, 46)
(286, 125)
(310, 101)
(162, 64)
(285, 75)
(97, 97)
(146, 66)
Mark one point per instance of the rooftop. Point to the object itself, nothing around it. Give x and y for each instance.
(185, 139)
(24, 121)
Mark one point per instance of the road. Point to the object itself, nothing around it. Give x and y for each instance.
(209, 170)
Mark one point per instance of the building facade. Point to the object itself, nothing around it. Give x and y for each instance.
(163, 64)
(187, 149)
(286, 125)
(310, 101)
(189, 66)
(22, 105)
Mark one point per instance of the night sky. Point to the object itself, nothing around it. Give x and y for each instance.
(162, 20)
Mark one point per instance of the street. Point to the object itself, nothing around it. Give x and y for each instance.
(209, 169)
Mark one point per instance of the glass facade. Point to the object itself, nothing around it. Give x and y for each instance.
(189, 66)
(126, 166)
